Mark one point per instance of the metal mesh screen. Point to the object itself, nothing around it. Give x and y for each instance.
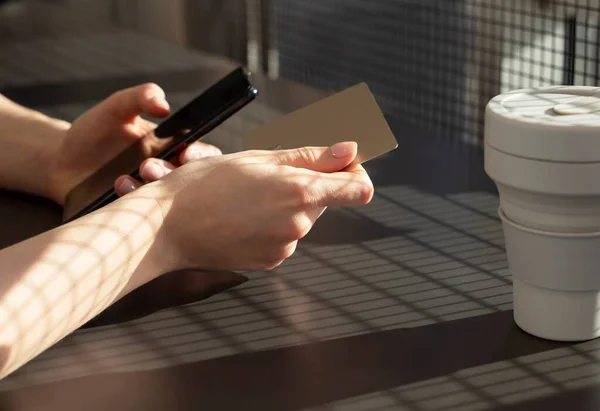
(434, 64)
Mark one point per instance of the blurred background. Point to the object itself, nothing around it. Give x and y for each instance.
(433, 64)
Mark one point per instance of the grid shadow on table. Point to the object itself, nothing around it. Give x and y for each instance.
(491, 386)
(448, 264)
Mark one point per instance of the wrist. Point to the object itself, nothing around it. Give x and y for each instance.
(164, 255)
(30, 141)
(57, 185)
(48, 133)
(136, 221)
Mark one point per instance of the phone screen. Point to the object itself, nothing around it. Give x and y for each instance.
(166, 141)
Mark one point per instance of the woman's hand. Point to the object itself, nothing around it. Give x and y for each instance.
(247, 210)
(243, 211)
(105, 130)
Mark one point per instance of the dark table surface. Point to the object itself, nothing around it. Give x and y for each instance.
(404, 304)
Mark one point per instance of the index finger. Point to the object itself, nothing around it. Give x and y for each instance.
(343, 188)
(128, 103)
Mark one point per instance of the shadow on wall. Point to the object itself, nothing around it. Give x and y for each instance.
(412, 53)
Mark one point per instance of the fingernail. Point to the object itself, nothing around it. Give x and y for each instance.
(343, 149)
(126, 186)
(153, 171)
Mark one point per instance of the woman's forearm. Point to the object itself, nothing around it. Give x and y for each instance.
(27, 143)
(53, 283)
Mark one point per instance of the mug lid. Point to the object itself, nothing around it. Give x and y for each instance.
(560, 123)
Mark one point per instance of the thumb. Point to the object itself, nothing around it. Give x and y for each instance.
(129, 103)
(321, 159)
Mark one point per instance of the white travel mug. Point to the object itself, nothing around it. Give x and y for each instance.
(542, 149)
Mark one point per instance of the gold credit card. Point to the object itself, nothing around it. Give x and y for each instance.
(350, 115)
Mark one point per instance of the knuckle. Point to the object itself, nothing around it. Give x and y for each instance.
(297, 229)
(150, 90)
(306, 155)
(149, 87)
(117, 95)
(290, 249)
(269, 266)
(300, 191)
(260, 265)
(278, 255)
(272, 265)
(304, 225)
(367, 192)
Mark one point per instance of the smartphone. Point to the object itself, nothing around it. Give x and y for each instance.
(189, 124)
